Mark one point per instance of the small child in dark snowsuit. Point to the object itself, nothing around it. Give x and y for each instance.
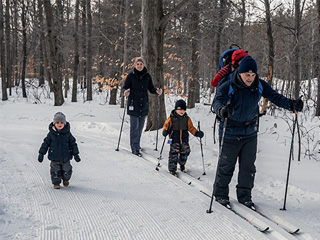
(62, 146)
(177, 127)
(236, 58)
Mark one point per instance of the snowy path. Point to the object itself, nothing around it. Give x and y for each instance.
(112, 195)
(115, 197)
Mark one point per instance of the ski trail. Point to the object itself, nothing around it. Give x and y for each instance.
(111, 196)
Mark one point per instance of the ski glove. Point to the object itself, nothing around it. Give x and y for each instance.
(296, 105)
(199, 134)
(40, 157)
(226, 111)
(165, 133)
(77, 158)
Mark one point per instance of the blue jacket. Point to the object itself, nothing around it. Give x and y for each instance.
(139, 83)
(61, 144)
(245, 102)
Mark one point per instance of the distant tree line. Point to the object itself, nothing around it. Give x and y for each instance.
(94, 42)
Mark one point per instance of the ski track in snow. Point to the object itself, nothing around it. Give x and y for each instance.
(101, 202)
(116, 195)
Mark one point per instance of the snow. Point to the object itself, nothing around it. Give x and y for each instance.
(116, 195)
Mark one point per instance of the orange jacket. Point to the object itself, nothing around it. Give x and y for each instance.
(178, 127)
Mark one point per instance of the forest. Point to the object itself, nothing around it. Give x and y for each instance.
(63, 47)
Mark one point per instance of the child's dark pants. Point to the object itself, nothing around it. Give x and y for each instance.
(179, 153)
(60, 171)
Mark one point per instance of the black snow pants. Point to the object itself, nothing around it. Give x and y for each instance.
(245, 150)
(178, 154)
(60, 171)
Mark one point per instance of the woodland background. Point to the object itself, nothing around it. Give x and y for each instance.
(65, 47)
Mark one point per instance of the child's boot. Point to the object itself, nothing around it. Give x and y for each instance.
(173, 173)
(56, 186)
(183, 168)
(65, 183)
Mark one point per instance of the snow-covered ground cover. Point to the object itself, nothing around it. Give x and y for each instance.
(116, 195)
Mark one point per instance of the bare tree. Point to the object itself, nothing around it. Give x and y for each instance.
(154, 22)
(41, 43)
(271, 51)
(8, 48)
(2, 54)
(53, 54)
(193, 88)
(89, 52)
(84, 44)
(318, 92)
(24, 40)
(125, 45)
(76, 53)
(297, 33)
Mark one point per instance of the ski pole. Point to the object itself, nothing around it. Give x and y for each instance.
(159, 158)
(204, 171)
(291, 149)
(220, 154)
(124, 112)
(156, 149)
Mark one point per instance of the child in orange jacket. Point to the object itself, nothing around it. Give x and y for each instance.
(177, 127)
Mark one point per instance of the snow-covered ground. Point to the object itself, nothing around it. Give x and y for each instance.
(116, 195)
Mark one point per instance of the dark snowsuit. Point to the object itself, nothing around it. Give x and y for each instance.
(240, 140)
(62, 147)
(139, 83)
(178, 127)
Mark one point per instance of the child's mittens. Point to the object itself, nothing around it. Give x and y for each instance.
(199, 134)
(40, 158)
(77, 158)
(165, 133)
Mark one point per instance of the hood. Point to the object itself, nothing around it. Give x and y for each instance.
(140, 74)
(63, 131)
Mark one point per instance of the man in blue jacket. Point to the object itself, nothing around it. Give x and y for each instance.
(240, 109)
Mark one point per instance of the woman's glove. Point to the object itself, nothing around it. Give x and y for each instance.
(159, 91)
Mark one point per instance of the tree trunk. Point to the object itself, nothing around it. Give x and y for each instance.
(125, 46)
(24, 49)
(318, 94)
(221, 21)
(271, 52)
(41, 32)
(53, 54)
(100, 54)
(8, 47)
(114, 87)
(84, 44)
(2, 59)
(62, 69)
(194, 78)
(89, 52)
(76, 53)
(15, 43)
(297, 49)
(243, 20)
(153, 27)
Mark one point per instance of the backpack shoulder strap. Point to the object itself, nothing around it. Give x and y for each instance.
(260, 89)
(231, 90)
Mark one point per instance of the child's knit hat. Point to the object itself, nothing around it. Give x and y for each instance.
(180, 104)
(59, 116)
